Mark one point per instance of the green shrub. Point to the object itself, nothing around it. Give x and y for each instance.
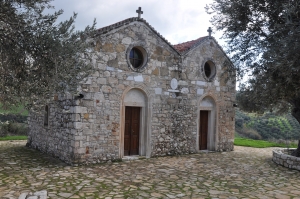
(12, 128)
(253, 134)
(248, 132)
(14, 110)
(13, 118)
(239, 122)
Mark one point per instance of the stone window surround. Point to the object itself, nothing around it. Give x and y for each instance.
(143, 48)
(213, 126)
(145, 121)
(213, 71)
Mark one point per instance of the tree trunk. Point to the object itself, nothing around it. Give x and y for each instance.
(297, 151)
(296, 114)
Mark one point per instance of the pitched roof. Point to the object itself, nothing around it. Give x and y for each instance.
(179, 48)
(106, 29)
(184, 47)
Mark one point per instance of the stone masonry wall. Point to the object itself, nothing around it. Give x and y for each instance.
(221, 88)
(103, 92)
(57, 138)
(283, 159)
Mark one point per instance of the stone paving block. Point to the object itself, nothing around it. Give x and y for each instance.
(32, 197)
(23, 196)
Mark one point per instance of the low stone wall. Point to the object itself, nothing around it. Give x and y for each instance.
(280, 157)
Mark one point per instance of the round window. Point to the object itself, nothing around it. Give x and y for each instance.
(209, 70)
(136, 58)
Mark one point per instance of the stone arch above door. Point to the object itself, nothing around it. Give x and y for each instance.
(207, 102)
(207, 107)
(137, 97)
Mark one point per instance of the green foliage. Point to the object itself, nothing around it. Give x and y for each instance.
(250, 133)
(15, 110)
(13, 118)
(259, 143)
(267, 126)
(12, 128)
(263, 41)
(38, 56)
(13, 138)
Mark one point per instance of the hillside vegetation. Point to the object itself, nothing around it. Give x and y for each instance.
(13, 122)
(267, 126)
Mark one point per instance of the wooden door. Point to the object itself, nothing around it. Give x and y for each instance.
(203, 130)
(132, 127)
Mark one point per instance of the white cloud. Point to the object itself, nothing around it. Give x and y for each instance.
(177, 20)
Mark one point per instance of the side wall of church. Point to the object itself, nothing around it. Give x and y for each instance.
(56, 138)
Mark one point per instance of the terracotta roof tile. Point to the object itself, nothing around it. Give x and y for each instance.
(187, 45)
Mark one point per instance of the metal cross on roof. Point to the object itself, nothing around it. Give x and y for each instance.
(209, 30)
(139, 11)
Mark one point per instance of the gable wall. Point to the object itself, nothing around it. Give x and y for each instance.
(103, 92)
(221, 89)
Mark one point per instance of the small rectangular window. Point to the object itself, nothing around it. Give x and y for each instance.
(46, 115)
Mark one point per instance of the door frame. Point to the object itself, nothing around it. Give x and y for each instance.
(139, 128)
(207, 130)
(145, 120)
(213, 121)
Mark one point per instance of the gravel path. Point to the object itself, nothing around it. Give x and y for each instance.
(243, 173)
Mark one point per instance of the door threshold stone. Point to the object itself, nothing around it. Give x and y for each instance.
(133, 157)
(206, 151)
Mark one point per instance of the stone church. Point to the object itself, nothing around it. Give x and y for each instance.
(146, 98)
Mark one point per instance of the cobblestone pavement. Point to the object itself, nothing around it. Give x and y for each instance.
(244, 173)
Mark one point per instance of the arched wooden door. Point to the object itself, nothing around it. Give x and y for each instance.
(132, 128)
(203, 130)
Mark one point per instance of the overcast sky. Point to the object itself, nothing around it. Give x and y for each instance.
(177, 20)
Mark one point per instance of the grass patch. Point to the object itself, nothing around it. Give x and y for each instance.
(259, 143)
(19, 137)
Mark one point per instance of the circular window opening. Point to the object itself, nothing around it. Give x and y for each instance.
(209, 70)
(136, 57)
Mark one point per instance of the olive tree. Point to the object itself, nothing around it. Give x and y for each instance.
(39, 56)
(263, 40)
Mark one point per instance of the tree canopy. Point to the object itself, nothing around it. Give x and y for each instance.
(263, 38)
(38, 55)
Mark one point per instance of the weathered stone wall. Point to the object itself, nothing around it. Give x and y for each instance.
(221, 89)
(57, 138)
(279, 157)
(95, 131)
(103, 92)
